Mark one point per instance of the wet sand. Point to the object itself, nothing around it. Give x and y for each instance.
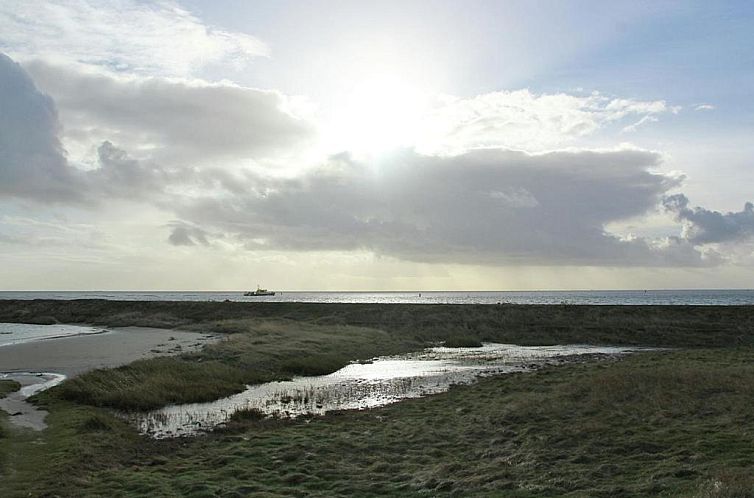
(71, 356)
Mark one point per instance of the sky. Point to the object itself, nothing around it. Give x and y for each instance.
(393, 145)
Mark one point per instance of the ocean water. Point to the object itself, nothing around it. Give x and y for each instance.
(604, 297)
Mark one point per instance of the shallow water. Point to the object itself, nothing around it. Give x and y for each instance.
(18, 333)
(361, 386)
(22, 413)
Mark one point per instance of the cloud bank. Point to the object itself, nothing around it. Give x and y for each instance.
(484, 206)
(167, 144)
(177, 121)
(32, 161)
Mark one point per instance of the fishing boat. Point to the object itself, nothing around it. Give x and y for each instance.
(259, 292)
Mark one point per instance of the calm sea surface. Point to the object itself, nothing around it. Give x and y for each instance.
(657, 297)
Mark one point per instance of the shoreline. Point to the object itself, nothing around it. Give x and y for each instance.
(52, 360)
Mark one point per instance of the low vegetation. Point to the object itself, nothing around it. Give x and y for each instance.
(664, 326)
(462, 342)
(654, 424)
(8, 386)
(253, 351)
(664, 423)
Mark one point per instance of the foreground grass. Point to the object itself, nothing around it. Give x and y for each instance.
(655, 424)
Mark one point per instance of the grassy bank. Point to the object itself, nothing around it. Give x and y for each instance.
(675, 423)
(656, 424)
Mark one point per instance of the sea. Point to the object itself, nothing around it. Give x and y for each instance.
(725, 297)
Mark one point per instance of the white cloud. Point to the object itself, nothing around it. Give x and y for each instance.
(644, 120)
(704, 107)
(525, 120)
(156, 38)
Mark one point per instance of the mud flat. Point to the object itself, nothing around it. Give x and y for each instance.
(43, 363)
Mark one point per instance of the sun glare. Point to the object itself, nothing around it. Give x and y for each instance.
(379, 113)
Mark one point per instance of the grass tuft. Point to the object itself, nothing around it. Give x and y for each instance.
(463, 342)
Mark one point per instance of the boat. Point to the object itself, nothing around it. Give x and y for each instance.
(259, 292)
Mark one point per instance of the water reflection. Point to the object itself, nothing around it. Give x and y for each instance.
(359, 386)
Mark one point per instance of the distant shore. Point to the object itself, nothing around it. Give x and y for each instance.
(530, 324)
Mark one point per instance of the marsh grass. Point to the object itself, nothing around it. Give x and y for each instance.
(253, 352)
(8, 386)
(663, 326)
(675, 423)
(152, 383)
(462, 342)
(656, 424)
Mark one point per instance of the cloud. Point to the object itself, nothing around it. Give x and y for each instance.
(482, 207)
(184, 234)
(169, 120)
(632, 128)
(155, 38)
(704, 107)
(703, 226)
(32, 160)
(525, 120)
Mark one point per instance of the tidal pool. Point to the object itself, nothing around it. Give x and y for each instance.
(22, 413)
(359, 386)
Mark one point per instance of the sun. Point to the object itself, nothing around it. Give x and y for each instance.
(378, 113)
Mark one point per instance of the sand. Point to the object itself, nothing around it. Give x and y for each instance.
(71, 356)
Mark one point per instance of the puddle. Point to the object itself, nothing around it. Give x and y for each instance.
(361, 386)
(22, 413)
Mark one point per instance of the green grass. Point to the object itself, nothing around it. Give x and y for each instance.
(674, 423)
(664, 326)
(253, 351)
(8, 386)
(654, 424)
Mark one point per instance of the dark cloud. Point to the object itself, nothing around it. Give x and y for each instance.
(183, 234)
(703, 226)
(485, 206)
(32, 160)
